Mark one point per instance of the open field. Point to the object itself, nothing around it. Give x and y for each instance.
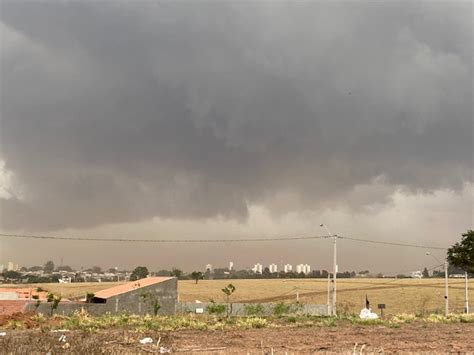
(82, 334)
(399, 295)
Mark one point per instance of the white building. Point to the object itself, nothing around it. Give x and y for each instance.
(11, 266)
(231, 266)
(208, 267)
(299, 268)
(273, 268)
(258, 268)
(288, 268)
(304, 268)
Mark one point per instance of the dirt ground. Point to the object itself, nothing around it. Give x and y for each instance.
(417, 338)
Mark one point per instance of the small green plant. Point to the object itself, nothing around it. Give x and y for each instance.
(153, 301)
(54, 300)
(228, 291)
(254, 309)
(252, 322)
(37, 303)
(89, 297)
(216, 308)
(280, 309)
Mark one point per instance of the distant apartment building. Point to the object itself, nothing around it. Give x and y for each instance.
(273, 268)
(258, 268)
(12, 267)
(288, 268)
(303, 268)
(231, 266)
(307, 269)
(209, 267)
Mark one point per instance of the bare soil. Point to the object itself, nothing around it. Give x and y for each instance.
(415, 337)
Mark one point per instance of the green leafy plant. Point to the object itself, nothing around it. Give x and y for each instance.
(89, 297)
(280, 309)
(215, 308)
(152, 300)
(254, 309)
(54, 300)
(37, 303)
(228, 291)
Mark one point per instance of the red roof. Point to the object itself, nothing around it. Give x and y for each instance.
(129, 286)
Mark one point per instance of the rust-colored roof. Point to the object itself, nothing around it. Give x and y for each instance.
(129, 286)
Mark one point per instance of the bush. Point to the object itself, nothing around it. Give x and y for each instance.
(281, 309)
(216, 308)
(254, 309)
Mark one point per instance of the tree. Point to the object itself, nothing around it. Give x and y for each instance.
(12, 275)
(48, 267)
(196, 275)
(54, 300)
(426, 273)
(228, 291)
(140, 272)
(64, 268)
(461, 254)
(152, 300)
(176, 272)
(96, 269)
(163, 273)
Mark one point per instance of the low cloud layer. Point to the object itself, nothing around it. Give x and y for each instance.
(120, 113)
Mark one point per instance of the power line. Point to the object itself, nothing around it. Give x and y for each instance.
(393, 243)
(244, 240)
(129, 240)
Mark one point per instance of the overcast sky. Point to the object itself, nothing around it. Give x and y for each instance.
(193, 119)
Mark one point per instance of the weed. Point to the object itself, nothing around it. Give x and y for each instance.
(280, 309)
(216, 308)
(254, 309)
(252, 322)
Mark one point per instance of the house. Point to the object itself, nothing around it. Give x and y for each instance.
(137, 297)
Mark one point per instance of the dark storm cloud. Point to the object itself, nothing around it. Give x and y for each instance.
(121, 112)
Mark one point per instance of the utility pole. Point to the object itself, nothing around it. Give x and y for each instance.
(466, 294)
(329, 287)
(446, 302)
(334, 268)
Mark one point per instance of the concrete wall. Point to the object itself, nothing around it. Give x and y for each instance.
(240, 308)
(166, 293)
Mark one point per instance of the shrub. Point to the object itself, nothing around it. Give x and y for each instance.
(89, 297)
(216, 308)
(254, 309)
(281, 309)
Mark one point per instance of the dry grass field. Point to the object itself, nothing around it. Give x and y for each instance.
(399, 295)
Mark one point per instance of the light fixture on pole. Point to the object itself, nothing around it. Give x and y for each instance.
(446, 302)
(334, 277)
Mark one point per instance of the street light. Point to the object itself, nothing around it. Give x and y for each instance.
(446, 303)
(333, 310)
